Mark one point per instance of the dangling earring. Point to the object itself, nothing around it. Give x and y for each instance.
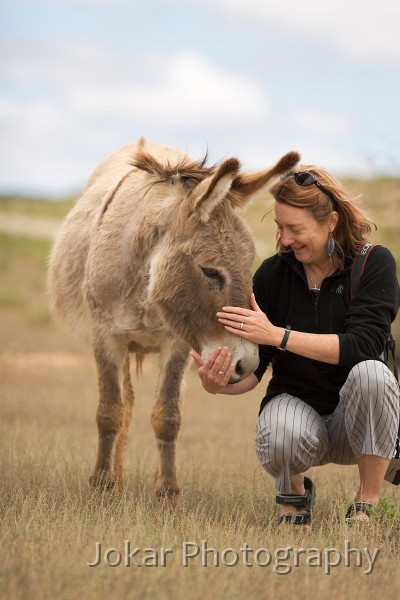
(330, 245)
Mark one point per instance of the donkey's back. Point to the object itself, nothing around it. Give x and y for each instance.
(68, 268)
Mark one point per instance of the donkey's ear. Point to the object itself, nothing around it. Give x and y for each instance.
(247, 184)
(212, 190)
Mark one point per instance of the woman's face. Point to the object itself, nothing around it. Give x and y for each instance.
(300, 231)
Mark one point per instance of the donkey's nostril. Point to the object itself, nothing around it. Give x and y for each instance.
(239, 368)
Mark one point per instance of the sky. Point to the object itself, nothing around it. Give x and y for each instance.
(246, 78)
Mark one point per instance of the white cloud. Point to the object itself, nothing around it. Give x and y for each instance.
(361, 30)
(322, 124)
(58, 63)
(182, 87)
(189, 91)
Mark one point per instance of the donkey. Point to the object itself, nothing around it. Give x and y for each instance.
(148, 254)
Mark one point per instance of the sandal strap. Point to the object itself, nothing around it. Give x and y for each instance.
(294, 500)
(357, 508)
(300, 501)
(295, 519)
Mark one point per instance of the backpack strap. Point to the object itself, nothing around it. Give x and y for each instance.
(391, 347)
(356, 272)
(357, 268)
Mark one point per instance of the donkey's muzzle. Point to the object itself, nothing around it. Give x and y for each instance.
(244, 356)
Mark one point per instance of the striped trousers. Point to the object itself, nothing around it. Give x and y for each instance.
(291, 436)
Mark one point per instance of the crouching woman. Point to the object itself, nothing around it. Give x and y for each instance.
(330, 399)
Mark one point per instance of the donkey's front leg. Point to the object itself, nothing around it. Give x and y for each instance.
(110, 356)
(166, 415)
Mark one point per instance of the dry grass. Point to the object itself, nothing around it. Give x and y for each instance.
(50, 521)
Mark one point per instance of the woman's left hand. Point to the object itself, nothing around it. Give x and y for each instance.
(253, 325)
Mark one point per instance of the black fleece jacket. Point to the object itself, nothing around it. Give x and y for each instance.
(363, 324)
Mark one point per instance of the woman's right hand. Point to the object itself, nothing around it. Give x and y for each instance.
(216, 371)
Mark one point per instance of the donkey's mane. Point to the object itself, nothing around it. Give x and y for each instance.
(186, 171)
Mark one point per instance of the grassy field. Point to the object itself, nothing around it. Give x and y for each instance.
(50, 522)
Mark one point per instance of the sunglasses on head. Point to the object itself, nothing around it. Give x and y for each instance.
(305, 179)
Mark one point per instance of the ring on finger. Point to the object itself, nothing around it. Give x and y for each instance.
(241, 326)
(221, 373)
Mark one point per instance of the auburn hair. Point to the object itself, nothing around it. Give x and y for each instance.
(353, 226)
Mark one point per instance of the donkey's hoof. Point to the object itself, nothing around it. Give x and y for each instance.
(170, 502)
(102, 481)
(168, 497)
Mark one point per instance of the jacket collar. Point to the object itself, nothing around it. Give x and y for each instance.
(297, 266)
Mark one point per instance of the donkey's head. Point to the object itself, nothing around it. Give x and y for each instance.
(204, 260)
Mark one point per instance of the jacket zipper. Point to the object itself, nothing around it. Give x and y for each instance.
(316, 300)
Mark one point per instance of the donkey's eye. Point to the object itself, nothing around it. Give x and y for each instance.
(214, 275)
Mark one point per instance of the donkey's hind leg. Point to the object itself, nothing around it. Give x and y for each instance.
(128, 401)
(110, 357)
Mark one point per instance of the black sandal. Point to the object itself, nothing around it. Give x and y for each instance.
(358, 508)
(306, 501)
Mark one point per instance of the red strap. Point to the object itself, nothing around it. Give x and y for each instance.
(357, 268)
